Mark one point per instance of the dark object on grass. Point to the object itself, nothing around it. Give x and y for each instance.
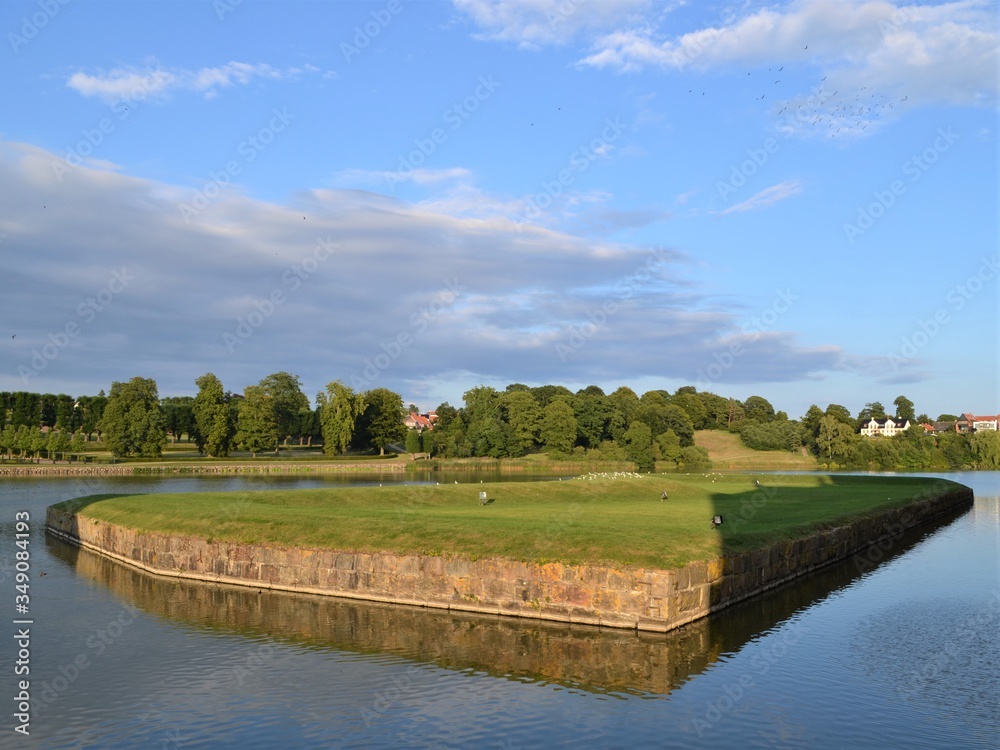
(663, 496)
(716, 522)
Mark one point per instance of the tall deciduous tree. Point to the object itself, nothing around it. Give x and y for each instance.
(834, 437)
(485, 429)
(381, 421)
(339, 409)
(639, 446)
(986, 447)
(524, 416)
(133, 423)
(759, 409)
(872, 410)
(213, 417)
(287, 399)
(559, 427)
(904, 408)
(256, 429)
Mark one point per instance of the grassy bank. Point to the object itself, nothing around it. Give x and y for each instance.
(727, 452)
(618, 521)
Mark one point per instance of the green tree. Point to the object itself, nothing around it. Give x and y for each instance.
(694, 458)
(448, 435)
(545, 394)
(872, 410)
(413, 441)
(133, 423)
(669, 446)
(381, 422)
(287, 399)
(339, 409)
(904, 408)
(179, 414)
(256, 427)
(956, 449)
(717, 409)
(77, 444)
(841, 414)
(524, 416)
(485, 428)
(592, 410)
(834, 437)
(693, 406)
(558, 431)
(758, 408)
(213, 417)
(986, 448)
(57, 443)
(638, 440)
(91, 410)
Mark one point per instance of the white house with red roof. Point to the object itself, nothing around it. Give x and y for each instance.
(420, 422)
(983, 423)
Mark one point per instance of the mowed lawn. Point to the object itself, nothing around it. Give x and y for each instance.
(618, 521)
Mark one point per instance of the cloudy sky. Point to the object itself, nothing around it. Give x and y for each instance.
(795, 199)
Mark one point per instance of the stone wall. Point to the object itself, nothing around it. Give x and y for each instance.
(653, 600)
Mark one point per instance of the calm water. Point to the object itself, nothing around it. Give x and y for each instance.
(905, 653)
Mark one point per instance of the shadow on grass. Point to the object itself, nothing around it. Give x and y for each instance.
(750, 518)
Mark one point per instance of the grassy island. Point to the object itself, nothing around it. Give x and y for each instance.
(616, 519)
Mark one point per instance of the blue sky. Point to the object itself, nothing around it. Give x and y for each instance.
(796, 200)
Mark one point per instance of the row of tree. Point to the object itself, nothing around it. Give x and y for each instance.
(260, 419)
(656, 426)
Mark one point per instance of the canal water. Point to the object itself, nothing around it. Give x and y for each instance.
(900, 649)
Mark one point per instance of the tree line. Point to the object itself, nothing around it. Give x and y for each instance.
(621, 426)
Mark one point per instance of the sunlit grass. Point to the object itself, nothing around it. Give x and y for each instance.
(617, 521)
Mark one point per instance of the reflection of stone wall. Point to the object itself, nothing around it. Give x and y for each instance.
(655, 600)
(581, 656)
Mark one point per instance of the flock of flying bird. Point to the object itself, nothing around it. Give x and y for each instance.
(850, 115)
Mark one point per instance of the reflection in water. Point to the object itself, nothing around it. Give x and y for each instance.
(589, 658)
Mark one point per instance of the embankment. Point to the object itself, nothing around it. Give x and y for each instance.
(636, 598)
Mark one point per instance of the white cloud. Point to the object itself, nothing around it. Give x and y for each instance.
(152, 81)
(535, 23)
(767, 197)
(944, 52)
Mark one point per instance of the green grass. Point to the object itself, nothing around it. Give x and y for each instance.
(619, 522)
(727, 451)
